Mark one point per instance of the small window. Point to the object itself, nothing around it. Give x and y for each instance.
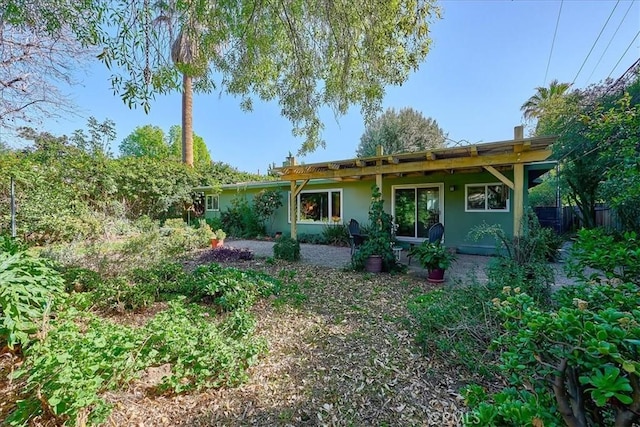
(213, 203)
(320, 206)
(487, 197)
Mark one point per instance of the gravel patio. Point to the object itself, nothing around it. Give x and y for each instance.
(464, 268)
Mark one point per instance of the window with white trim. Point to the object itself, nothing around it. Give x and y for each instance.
(319, 206)
(213, 202)
(492, 197)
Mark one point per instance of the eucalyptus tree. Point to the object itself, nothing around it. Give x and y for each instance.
(304, 54)
(401, 132)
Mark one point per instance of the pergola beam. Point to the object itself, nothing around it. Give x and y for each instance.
(481, 161)
(495, 172)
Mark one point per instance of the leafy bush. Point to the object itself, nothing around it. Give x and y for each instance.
(336, 235)
(80, 279)
(145, 224)
(312, 238)
(68, 371)
(583, 356)
(457, 325)
(233, 289)
(240, 220)
(615, 257)
(29, 288)
(522, 260)
(287, 249)
(11, 245)
(265, 204)
(380, 238)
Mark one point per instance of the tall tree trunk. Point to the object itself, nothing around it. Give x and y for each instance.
(187, 120)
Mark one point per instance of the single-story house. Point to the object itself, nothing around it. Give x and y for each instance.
(460, 187)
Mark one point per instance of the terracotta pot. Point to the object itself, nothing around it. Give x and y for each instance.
(436, 275)
(216, 243)
(373, 264)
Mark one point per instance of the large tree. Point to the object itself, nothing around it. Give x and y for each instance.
(35, 67)
(597, 146)
(303, 54)
(145, 141)
(401, 132)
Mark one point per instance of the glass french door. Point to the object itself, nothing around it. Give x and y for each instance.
(416, 209)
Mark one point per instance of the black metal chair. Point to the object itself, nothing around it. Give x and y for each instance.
(355, 237)
(435, 233)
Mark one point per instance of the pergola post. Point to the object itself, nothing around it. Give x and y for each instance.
(518, 184)
(379, 153)
(293, 206)
(293, 210)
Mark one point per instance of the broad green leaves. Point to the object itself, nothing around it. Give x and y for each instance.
(305, 55)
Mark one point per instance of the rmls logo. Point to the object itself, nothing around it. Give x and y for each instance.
(452, 420)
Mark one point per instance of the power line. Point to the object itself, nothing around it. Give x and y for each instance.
(625, 52)
(611, 39)
(594, 43)
(553, 42)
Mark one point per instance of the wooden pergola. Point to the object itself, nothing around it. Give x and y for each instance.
(494, 157)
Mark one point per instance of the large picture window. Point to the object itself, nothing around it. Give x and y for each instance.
(212, 203)
(320, 206)
(486, 197)
(416, 208)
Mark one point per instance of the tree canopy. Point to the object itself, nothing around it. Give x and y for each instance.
(598, 130)
(399, 132)
(304, 54)
(151, 141)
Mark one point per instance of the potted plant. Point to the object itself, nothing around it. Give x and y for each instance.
(375, 253)
(217, 240)
(433, 257)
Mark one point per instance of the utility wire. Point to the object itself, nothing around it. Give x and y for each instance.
(610, 40)
(594, 43)
(553, 42)
(625, 52)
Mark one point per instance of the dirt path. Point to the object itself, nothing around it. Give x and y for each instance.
(342, 357)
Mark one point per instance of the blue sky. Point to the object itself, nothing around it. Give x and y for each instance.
(486, 60)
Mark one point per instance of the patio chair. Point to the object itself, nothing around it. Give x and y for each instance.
(436, 231)
(355, 237)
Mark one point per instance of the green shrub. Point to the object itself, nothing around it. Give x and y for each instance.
(80, 279)
(240, 220)
(457, 325)
(311, 238)
(615, 256)
(582, 356)
(522, 260)
(231, 288)
(11, 245)
(380, 238)
(336, 235)
(265, 204)
(145, 224)
(84, 356)
(287, 249)
(215, 223)
(29, 288)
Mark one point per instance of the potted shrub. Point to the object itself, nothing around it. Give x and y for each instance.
(375, 253)
(217, 240)
(433, 257)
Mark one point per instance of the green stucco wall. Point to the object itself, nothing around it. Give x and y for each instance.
(356, 197)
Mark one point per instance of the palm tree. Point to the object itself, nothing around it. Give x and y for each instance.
(184, 54)
(534, 107)
(189, 61)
